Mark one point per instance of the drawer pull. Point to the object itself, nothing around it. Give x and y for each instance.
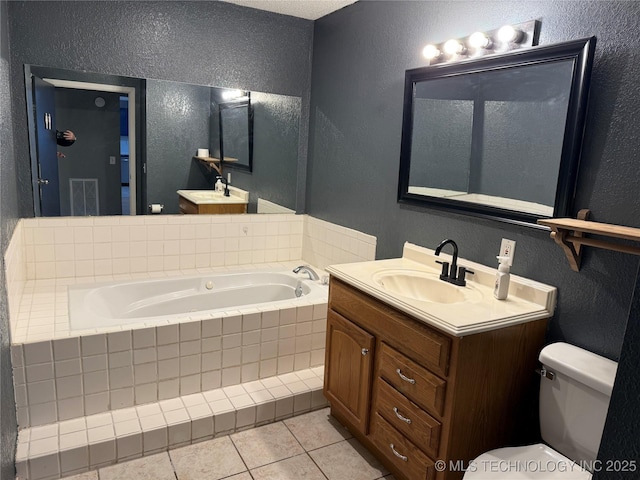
(405, 378)
(401, 457)
(400, 416)
(364, 351)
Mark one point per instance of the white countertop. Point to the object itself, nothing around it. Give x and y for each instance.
(528, 300)
(208, 197)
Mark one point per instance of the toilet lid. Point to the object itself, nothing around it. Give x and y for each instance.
(532, 462)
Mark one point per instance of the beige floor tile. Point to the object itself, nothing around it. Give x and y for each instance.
(153, 467)
(348, 459)
(240, 476)
(295, 468)
(92, 475)
(210, 460)
(267, 444)
(317, 429)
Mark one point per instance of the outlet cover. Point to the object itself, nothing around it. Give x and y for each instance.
(508, 249)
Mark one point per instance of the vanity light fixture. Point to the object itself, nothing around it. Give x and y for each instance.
(431, 52)
(479, 40)
(453, 47)
(508, 37)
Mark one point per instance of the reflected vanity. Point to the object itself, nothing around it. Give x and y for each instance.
(498, 136)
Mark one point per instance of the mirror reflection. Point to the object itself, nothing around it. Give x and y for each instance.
(137, 139)
(498, 136)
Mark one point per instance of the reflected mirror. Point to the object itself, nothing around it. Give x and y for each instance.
(236, 133)
(498, 136)
(155, 128)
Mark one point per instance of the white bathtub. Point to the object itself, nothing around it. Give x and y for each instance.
(158, 300)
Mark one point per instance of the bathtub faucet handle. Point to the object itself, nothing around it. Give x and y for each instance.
(308, 270)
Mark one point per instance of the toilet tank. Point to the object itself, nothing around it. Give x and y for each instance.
(574, 405)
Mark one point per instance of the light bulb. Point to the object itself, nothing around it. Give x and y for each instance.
(431, 52)
(479, 40)
(508, 34)
(453, 47)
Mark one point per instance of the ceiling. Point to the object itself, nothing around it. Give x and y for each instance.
(309, 9)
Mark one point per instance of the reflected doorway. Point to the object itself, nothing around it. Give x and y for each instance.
(97, 174)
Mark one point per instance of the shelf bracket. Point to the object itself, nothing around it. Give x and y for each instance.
(566, 240)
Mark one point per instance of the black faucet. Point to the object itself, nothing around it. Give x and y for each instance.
(455, 275)
(226, 184)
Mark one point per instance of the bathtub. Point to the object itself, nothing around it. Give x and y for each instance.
(155, 301)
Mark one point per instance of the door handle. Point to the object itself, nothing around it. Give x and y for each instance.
(43, 181)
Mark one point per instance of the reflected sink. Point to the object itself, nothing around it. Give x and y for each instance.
(421, 286)
(200, 197)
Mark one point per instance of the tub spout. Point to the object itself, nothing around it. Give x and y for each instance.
(308, 270)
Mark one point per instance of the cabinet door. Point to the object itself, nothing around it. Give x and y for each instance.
(348, 369)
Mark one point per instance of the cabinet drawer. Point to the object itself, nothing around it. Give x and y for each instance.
(422, 343)
(403, 454)
(187, 207)
(414, 382)
(417, 425)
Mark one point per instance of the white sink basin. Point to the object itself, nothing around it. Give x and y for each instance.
(200, 197)
(422, 286)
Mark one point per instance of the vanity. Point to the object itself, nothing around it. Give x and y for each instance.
(210, 201)
(420, 377)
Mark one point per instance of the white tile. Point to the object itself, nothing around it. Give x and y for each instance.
(46, 466)
(120, 359)
(121, 398)
(69, 387)
(171, 404)
(202, 427)
(155, 440)
(173, 417)
(70, 408)
(124, 415)
(211, 327)
(144, 337)
(191, 347)
(66, 348)
(144, 355)
(102, 453)
(39, 372)
(71, 426)
(96, 403)
(129, 446)
(121, 377)
(94, 344)
(190, 384)
(95, 382)
(94, 363)
(74, 459)
(40, 392)
(145, 373)
(224, 422)
(169, 368)
(100, 433)
(167, 334)
(119, 341)
(189, 331)
(38, 352)
(169, 388)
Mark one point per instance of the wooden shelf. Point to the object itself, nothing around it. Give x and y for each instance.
(213, 163)
(569, 234)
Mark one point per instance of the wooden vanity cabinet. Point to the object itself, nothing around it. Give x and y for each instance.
(189, 207)
(413, 394)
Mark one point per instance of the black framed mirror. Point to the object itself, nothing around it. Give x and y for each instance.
(497, 136)
(236, 134)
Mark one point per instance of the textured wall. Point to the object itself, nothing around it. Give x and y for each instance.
(204, 43)
(177, 125)
(9, 213)
(360, 55)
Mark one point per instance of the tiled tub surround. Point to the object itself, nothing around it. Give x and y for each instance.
(94, 441)
(94, 372)
(59, 374)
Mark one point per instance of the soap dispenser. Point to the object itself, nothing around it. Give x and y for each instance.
(501, 288)
(218, 186)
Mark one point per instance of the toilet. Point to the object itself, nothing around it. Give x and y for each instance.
(575, 389)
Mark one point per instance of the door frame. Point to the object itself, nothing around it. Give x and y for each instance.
(125, 91)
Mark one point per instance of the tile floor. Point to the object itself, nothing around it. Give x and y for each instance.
(308, 447)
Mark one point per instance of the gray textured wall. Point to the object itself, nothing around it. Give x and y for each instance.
(9, 214)
(360, 55)
(177, 125)
(203, 43)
